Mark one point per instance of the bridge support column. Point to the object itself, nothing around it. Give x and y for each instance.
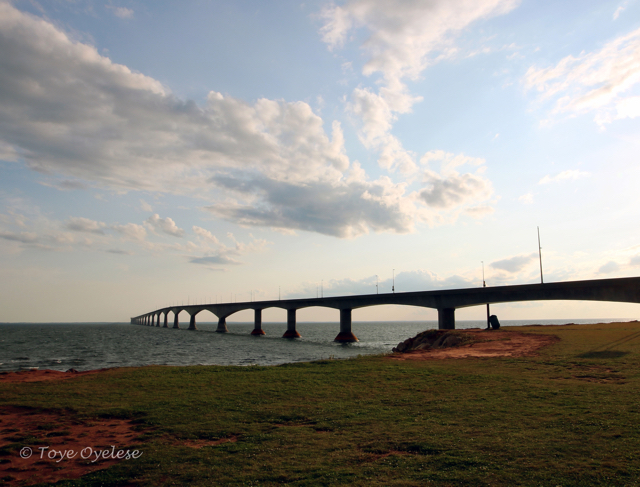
(192, 322)
(158, 320)
(166, 319)
(176, 321)
(345, 335)
(222, 325)
(291, 325)
(257, 329)
(447, 318)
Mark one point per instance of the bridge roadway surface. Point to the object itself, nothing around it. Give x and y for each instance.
(625, 290)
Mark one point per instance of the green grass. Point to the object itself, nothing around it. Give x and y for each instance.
(570, 416)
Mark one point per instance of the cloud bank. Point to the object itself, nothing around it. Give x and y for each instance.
(70, 113)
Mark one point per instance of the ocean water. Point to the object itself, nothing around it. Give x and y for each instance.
(62, 346)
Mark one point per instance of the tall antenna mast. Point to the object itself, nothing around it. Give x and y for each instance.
(484, 284)
(540, 254)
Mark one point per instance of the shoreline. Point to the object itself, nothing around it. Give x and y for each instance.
(487, 344)
(481, 348)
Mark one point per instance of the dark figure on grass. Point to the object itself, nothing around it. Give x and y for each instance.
(493, 321)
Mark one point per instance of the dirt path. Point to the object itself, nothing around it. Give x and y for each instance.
(40, 375)
(493, 343)
(52, 446)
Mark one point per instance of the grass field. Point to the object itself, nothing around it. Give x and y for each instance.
(570, 416)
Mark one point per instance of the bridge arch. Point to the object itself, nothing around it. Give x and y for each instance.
(445, 301)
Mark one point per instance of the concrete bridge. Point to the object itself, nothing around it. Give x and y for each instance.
(624, 290)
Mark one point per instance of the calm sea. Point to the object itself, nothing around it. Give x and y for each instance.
(62, 346)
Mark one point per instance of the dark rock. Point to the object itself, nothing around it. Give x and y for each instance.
(439, 341)
(451, 341)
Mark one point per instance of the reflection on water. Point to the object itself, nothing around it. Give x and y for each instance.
(63, 346)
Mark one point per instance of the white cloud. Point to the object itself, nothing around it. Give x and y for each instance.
(345, 208)
(455, 190)
(564, 176)
(8, 153)
(213, 259)
(448, 161)
(221, 254)
(479, 211)
(405, 38)
(527, 199)
(448, 189)
(514, 264)
(597, 81)
(22, 237)
(144, 206)
(165, 225)
(66, 184)
(619, 10)
(609, 267)
(119, 252)
(206, 234)
(628, 107)
(121, 12)
(131, 231)
(377, 113)
(79, 224)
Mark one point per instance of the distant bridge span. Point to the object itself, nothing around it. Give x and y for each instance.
(624, 290)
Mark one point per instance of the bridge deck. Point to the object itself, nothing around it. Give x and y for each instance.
(625, 290)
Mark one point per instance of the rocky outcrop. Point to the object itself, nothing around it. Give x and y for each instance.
(432, 339)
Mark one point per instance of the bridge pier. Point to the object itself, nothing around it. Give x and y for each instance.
(176, 321)
(166, 319)
(345, 335)
(158, 319)
(222, 325)
(257, 329)
(192, 322)
(446, 318)
(291, 325)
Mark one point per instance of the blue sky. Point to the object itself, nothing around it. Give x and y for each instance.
(162, 152)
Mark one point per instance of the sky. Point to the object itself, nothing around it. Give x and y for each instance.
(156, 153)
